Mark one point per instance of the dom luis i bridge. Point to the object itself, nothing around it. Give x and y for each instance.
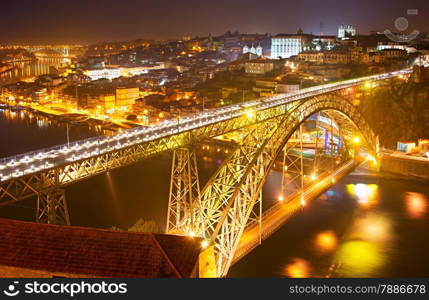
(227, 212)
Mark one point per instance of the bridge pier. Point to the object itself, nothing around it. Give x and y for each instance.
(52, 207)
(182, 215)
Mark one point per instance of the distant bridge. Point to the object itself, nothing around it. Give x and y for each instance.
(60, 50)
(222, 210)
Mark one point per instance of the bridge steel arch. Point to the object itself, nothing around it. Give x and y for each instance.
(228, 199)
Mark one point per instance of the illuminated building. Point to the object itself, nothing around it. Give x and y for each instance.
(324, 42)
(125, 97)
(257, 51)
(346, 30)
(107, 73)
(287, 45)
(258, 66)
(325, 57)
(106, 102)
(133, 71)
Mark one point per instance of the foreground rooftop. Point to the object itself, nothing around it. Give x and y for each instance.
(40, 250)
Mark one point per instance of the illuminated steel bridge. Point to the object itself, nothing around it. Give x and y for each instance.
(222, 209)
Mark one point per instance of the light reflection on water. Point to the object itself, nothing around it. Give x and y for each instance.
(31, 69)
(365, 247)
(326, 241)
(365, 194)
(416, 205)
(362, 227)
(298, 268)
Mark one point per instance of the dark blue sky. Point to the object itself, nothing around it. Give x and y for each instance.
(100, 20)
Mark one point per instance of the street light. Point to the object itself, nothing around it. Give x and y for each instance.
(303, 203)
(204, 244)
(356, 140)
(250, 114)
(368, 85)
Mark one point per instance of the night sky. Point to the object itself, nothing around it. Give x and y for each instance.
(88, 21)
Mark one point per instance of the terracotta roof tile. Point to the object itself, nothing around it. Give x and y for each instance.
(96, 252)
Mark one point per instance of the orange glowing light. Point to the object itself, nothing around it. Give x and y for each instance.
(373, 228)
(299, 268)
(416, 205)
(326, 241)
(365, 194)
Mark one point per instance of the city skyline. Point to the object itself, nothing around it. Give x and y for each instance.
(84, 22)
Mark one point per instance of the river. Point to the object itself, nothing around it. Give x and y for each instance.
(31, 69)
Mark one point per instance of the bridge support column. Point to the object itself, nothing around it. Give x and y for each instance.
(182, 216)
(316, 161)
(293, 167)
(52, 207)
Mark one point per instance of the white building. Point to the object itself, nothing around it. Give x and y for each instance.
(107, 73)
(287, 45)
(257, 51)
(346, 30)
(407, 48)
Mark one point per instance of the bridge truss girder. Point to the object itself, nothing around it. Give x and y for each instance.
(229, 197)
(26, 186)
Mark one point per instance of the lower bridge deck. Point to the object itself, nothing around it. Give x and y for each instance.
(277, 215)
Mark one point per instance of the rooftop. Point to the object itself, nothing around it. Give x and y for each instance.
(96, 252)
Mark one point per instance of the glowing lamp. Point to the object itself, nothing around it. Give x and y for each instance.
(204, 244)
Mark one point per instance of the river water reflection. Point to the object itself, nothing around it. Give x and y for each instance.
(31, 69)
(365, 226)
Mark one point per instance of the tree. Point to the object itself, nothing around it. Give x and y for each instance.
(144, 226)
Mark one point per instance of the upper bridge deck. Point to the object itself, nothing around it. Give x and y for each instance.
(62, 155)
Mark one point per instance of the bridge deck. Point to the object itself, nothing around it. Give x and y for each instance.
(62, 155)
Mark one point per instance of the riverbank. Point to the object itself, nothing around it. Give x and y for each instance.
(73, 119)
(408, 166)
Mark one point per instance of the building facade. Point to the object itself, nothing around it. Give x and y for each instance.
(346, 30)
(258, 66)
(103, 73)
(325, 57)
(257, 51)
(125, 97)
(287, 45)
